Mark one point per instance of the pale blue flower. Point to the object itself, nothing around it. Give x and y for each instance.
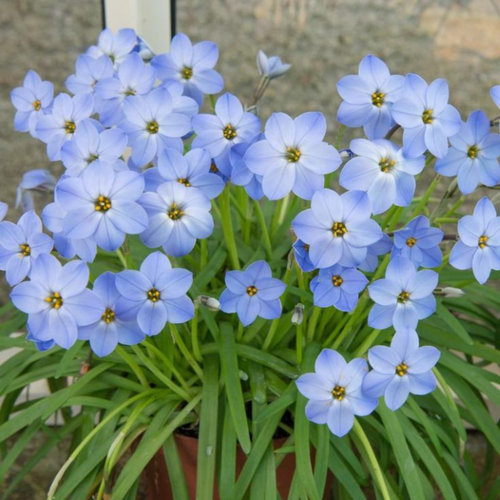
(116, 47)
(302, 256)
(57, 300)
(403, 297)
(293, 156)
(427, 118)
(473, 155)
(192, 65)
(31, 101)
(479, 244)
(252, 292)
(401, 370)
(33, 181)
(271, 67)
(339, 287)
(241, 175)
(89, 72)
(111, 329)
(155, 294)
(368, 97)
(335, 392)
(102, 204)
(419, 243)
(383, 171)
(58, 127)
(337, 228)
(374, 251)
(20, 245)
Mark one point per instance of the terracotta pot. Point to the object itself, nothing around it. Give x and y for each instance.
(160, 488)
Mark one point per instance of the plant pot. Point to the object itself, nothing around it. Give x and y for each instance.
(160, 488)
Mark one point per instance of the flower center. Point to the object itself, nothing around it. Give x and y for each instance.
(338, 392)
(102, 204)
(411, 242)
(92, 158)
(339, 229)
(55, 300)
(70, 127)
(292, 155)
(187, 73)
(403, 297)
(401, 369)
(307, 247)
(154, 295)
(25, 250)
(386, 164)
(229, 132)
(108, 316)
(472, 152)
(378, 98)
(37, 105)
(152, 127)
(185, 182)
(337, 280)
(129, 91)
(482, 241)
(427, 117)
(213, 168)
(175, 213)
(251, 290)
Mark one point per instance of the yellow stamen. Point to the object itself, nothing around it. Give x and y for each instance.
(102, 204)
(338, 392)
(185, 182)
(337, 280)
(229, 132)
(401, 369)
(339, 229)
(427, 117)
(482, 241)
(37, 105)
(472, 152)
(152, 127)
(386, 164)
(55, 300)
(25, 250)
(175, 213)
(251, 290)
(378, 99)
(411, 242)
(292, 155)
(403, 297)
(70, 127)
(154, 295)
(187, 73)
(108, 316)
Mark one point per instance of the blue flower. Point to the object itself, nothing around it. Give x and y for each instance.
(53, 217)
(152, 124)
(479, 244)
(368, 97)
(57, 300)
(337, 228)
(426, 116)
(102, 204)
(3, 210)
(334, 392)
(31, 101)
(111, 329)
(192, 65)
(252, 292)
(155, 294)
(374, 251)
(39, 181)
(58, 127)
(339, 287)
(21, 245)
(473, 154)
(88, 72)
(91, 146)
(419, 243)
(271, 67)
(116, 47)
(301, 251)
(41, 345)
(401, 370)
(241, 175)
(230, 125)
(403, 297)
(133, 77)
(192, 170)
(178, 216)
(293, 156)
(383, 171)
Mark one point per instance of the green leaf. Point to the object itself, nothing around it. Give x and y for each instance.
(175, 470)
(231, 375)
(207, 443)
(227, 469)
(453, 322)
(400, 448)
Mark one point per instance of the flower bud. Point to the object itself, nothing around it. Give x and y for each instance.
(271, 67)
(346, 154)
(208, 302)
(451, 292)
(298, 314)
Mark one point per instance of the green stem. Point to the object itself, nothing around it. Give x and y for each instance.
(425, 198)
(367, 343)
(122, 258)
(284, 207)
(194, 335)
(133, 365)
(299, 344)
(263, 227)
(311, 324)
(185, 351)
(227, 228)
(270, 335)
(203, 253)
(377, 471)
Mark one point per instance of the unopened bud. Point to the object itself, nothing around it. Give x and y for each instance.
(452, 293)
(208, 302)
(346, 154)
(298, 314)
(243, 375)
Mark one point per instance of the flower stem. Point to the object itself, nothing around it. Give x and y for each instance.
(122, 258)
(227, 228)
(425, 198)
(185, 351)
(194, 335)
(299, 344)
(311, 324)
(263, 226)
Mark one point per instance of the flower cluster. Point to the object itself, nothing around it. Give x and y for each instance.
(144, 166)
